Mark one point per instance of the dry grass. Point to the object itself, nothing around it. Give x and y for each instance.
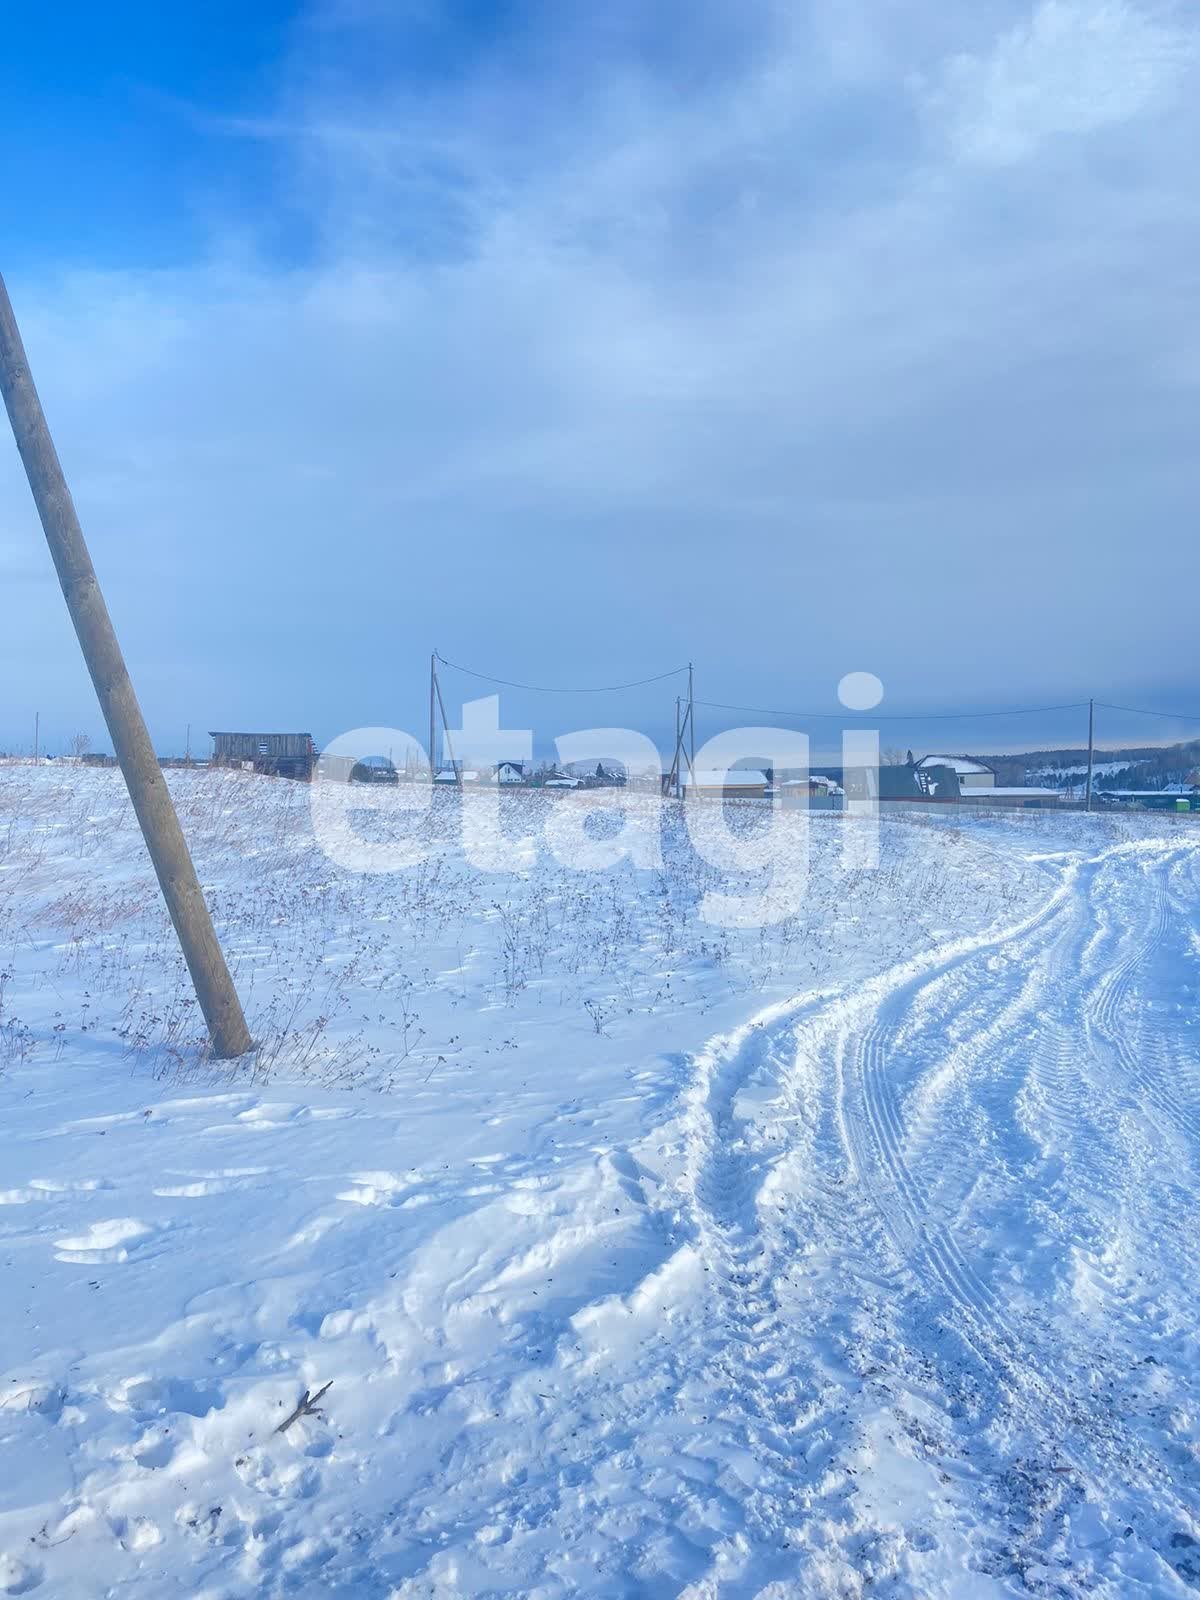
(368, 978)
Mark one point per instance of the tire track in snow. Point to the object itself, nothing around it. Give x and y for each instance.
(1073, 1421)
(746, 1253)
(1108, 1015)
(874, 1131)
(723, 1179)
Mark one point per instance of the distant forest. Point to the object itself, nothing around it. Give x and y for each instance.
(1133, 767)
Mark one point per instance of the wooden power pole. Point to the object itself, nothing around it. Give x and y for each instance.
(691, 713)
(127, 729)
(432, 714)
(1091, 751)
(673, 779)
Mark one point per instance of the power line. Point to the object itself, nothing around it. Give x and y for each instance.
(541, 688)
(820, 716)
(1175, 716)
(895, 716)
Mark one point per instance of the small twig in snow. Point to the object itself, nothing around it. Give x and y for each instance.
(306, 1408)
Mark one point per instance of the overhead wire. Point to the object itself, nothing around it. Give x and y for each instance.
(1141, 711)
(893, 716)
(541, 688)
(829, 716)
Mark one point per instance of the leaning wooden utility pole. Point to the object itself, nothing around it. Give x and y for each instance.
(127, 729)
(1091, 751)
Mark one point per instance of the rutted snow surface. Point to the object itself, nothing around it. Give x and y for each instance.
(886, 1286)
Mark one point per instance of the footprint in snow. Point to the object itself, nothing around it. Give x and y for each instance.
(18, 1577)
(202, 1186)
(382, 1189)
(109, 1241)
(47, 1188)
(69, 1186)
(278, 1114)
(149, 1397)
(275, 1114)
(33, 1395)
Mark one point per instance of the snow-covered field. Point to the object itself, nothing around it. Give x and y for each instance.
(853, 1256)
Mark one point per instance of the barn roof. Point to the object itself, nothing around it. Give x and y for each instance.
(739, 778)
(960, 764)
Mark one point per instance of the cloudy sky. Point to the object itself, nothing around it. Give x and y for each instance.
(579, 341)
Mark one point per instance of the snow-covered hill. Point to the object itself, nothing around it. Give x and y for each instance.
(853, 1256)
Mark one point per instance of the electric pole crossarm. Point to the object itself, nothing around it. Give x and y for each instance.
(118, 702)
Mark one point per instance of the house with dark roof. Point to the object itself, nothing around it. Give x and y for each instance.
(972, 773)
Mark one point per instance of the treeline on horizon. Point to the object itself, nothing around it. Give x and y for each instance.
(1143, 766)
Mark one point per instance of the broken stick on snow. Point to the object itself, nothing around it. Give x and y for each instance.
(306, 1408)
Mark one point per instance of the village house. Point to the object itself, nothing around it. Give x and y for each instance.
(279, 755)
(737, 784)
(972, 774)
(817, 792)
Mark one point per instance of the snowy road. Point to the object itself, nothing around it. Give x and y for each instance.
(888, 1290)
(985, 1165)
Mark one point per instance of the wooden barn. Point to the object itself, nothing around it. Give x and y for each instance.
(736, 784)
(279, 755)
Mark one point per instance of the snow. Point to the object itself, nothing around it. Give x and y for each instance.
(1013, 791)
(854, 1256)
(816, 781)
(735, 778)
(963, 765)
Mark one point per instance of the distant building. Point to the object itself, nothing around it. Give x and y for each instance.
(510, 772)
(279, 755)
(815, 783)
(816, 792)
(737, 784)
(901, 785)
(1015, 795)
(604, 778)
(1151, 799)
(972, 774)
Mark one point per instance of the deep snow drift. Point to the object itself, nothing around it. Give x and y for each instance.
(853, 1256)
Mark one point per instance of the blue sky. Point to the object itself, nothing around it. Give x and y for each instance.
(793, 339)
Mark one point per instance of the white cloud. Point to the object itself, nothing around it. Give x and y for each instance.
(643, 361)
(1072, 68)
